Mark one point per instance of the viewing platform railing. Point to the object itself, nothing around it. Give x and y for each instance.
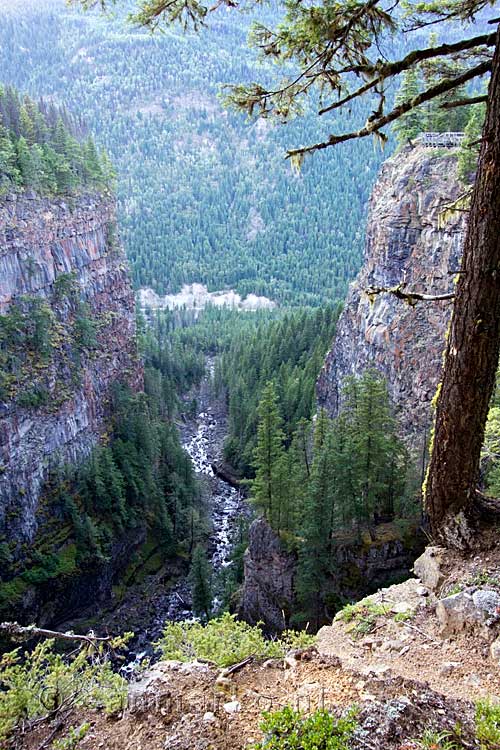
(441, 140)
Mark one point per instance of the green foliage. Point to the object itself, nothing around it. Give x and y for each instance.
(85, 329)
(33, 363)
(363, 615)
(351, 473)
(490, 454)
(287, 729)
(75, 736)
(143, 477)
(267, 488)
(469, 149)
(488, 724)
(411, 124)
(33, 398)
(200, 582)
(225, 641)
(202, 195)
(41, 148)
(290, 352)
(40, 681)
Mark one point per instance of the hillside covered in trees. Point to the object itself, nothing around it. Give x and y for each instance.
(203, 195)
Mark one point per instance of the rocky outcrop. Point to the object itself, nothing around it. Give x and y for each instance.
(267, 594)
(67, 330)
(358, 567)
(404, 244)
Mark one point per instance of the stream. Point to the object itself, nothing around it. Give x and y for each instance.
(202, 438)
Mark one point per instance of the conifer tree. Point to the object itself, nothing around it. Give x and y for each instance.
(268, 457)
(315, 552)
(411, 124)
(469, 149)
(200, 582)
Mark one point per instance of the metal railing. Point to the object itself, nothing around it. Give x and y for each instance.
(441, 140)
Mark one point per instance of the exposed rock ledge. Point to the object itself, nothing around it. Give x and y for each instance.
(403, 244)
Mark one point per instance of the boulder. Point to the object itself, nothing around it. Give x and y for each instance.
(427, 567)
(467, 610)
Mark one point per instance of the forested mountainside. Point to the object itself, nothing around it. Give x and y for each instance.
(202, 196)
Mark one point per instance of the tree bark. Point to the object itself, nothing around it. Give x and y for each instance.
(472, 349)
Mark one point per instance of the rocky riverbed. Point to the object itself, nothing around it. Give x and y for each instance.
(165, 595)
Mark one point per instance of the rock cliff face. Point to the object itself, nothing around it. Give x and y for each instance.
(267, 594)
(67, 330)
(403, 243)
(358, 567)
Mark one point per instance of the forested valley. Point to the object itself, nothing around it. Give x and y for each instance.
(216, 527)
(203, 196)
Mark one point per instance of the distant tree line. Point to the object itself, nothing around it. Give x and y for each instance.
(44, 148)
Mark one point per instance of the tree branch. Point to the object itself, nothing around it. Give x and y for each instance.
(448, 84)
(464, 102)
(391, 69)
(21, 633)
(411, 298)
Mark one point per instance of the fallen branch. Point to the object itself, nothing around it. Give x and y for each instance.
(236, 667)
(411, 298)
(24, 633)
(422, 632)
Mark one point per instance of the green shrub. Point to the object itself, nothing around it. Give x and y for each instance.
(73, 739)
(363, 615)
(290, 730)
(65, 284)
(85, 329)
(225, 641)
(488, 724)
(33, 398)
(35, 684)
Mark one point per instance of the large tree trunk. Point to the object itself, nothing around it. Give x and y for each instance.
(472, 349)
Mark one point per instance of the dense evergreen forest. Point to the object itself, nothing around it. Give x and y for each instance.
(333, 481)
(45, 148)
(203, 195)
(289, 351)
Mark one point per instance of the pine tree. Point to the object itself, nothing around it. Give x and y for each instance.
(468, 154)
(9, 170)
(315, 552)
(411, 124)
(200, 582)
(373, 442)
(268, 456)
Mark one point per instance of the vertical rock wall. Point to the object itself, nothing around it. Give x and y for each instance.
(403, 243)
(60, 260)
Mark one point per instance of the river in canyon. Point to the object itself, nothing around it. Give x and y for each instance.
(148, 606)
